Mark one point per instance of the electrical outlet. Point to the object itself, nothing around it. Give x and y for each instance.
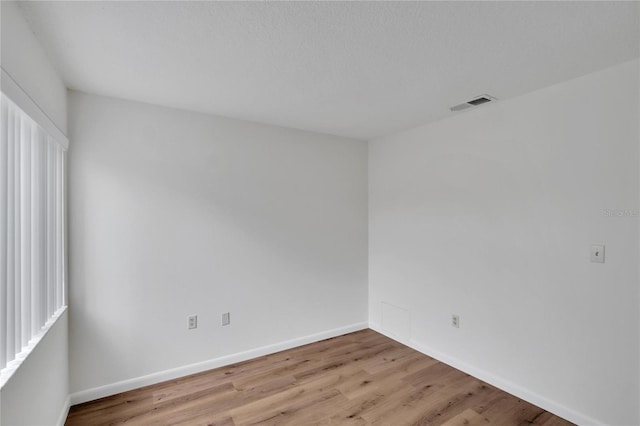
(192, 321)
(226, 318)
(455, 321)
(597, 254)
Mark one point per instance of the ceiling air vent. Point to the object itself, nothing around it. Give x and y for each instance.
(478, 100)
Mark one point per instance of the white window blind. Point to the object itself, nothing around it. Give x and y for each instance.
(32, 234)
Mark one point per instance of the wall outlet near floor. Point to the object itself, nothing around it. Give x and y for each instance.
(455, 321)
(192, 321)
(226, 318)
(597, 253)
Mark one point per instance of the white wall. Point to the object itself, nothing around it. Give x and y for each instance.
(490, 215)
(175, 213)
(24, 59)
(37, 394)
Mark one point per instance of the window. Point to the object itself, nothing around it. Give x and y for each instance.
(32, 234)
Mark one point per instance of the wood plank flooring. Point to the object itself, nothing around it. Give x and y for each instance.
(361, 378)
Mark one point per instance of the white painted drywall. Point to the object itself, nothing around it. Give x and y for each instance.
(490, 215)
(37, 394)
(175, 213)
(300, 64)
(24, 59)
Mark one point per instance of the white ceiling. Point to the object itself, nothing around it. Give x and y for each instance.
(356, 69)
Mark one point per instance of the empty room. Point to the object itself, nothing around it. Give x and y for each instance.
(320, 213)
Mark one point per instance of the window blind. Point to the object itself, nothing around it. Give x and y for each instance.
(32, 233)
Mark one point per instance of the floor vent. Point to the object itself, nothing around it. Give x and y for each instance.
(478, 100)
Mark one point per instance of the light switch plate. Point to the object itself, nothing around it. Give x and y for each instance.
(226, 318)
(192, 321)
(597, 254)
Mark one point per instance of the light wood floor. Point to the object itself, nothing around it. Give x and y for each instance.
(361, 378)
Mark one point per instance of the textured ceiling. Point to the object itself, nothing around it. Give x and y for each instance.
(356, 69)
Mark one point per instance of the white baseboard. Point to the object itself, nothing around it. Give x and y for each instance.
(174, 373)
(64, 413)
(497, 381)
